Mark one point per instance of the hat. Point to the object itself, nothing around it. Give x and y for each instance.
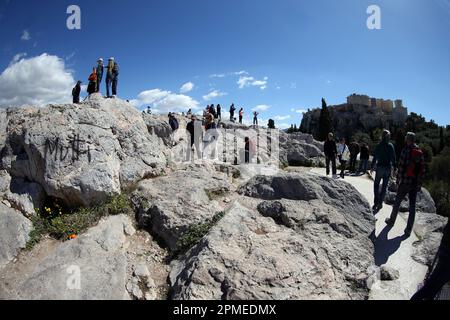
(111, 59)
(100, 60)
(79, 81)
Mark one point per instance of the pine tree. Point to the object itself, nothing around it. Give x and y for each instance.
(441, 139)
(325, 126)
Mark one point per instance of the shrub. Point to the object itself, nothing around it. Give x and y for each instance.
(61, 223)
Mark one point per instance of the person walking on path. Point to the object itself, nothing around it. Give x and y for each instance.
(354, 152)
(112, 78)
(76, 93)
(330, 150)
(411, 170)
(344, 156)
(100, 69)
(384, 160)
(241, 115)
(255, 118)
(232, 110)
(440, 274)
(364, 158)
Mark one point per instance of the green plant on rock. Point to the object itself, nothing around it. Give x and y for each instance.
(195, 232)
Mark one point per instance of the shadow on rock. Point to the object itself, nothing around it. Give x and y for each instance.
(385, 247)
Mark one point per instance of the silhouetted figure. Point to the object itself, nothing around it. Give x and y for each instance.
(355, 149)
(232, 110)
(364, 158)
(76, 92)
(219, 112)
(330, 150)
(255, 118)
(241, 115)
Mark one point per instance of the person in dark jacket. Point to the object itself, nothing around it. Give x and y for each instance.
(219, 113)
(364, 158)
(194, 128)
(173, 122)
(411, 170)
(440, 275)
(100, 70)
(383, 161)
(76, 92)
(330, 150)
(354, 152)
(232, 110)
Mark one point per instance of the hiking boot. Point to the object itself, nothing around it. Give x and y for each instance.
(389, 222)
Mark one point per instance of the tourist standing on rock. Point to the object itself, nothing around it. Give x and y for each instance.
(344, 155)
(212, 110)
(92, 86)
(112, 78)
(330, 150)
(189, 113)
(440, 274)
(241, 115)
(210, 137)
(364, 158)
(255, 118)
(100, 69)
(232, 110)
(173, 122)
(76, 92)
(411, 169)
(384, 160)
(194, 128)
(219, 112)
(354, 152)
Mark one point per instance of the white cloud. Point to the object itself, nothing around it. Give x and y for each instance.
(187, 87)
(214, 94)
(247, 81)
(223, 75)
(17, 58)
(281, 118)
(261, 107)
(218, 75)
(301, 111)
(35, 81)
(165, 101)
(25, 36)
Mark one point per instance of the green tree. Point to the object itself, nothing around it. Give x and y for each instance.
(325, 125)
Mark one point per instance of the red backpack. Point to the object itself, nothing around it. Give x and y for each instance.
(415, 167)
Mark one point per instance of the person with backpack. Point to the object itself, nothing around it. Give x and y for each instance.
(232, 110)
(76, 92)
(384, 160)
(411, 170)
(241, 115)
(100, 69)
(92, 86)
(343, 155)
(112, 77)
(173, 122)
(355, 149)
(364, 158)
(330, 150)
(194, 128)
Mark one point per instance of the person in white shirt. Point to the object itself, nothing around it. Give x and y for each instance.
(344, 156)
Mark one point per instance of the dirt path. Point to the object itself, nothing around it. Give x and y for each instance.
(391, 248)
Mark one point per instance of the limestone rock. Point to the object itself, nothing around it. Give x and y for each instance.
(84, 153)
(159, 127)
(389, 274)
(97, 257)
(14, 233)
(248, 256)
(168, 205)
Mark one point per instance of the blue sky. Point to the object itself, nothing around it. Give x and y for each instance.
(288, 54)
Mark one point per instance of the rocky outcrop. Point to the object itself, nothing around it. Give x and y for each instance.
(84, 153)
(311, 253)
(159, 127)
(300, 149)
(92, 267)
(169, 205)
(14, 233)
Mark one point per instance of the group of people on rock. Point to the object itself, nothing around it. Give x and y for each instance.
(96, 77)
(409, 171)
